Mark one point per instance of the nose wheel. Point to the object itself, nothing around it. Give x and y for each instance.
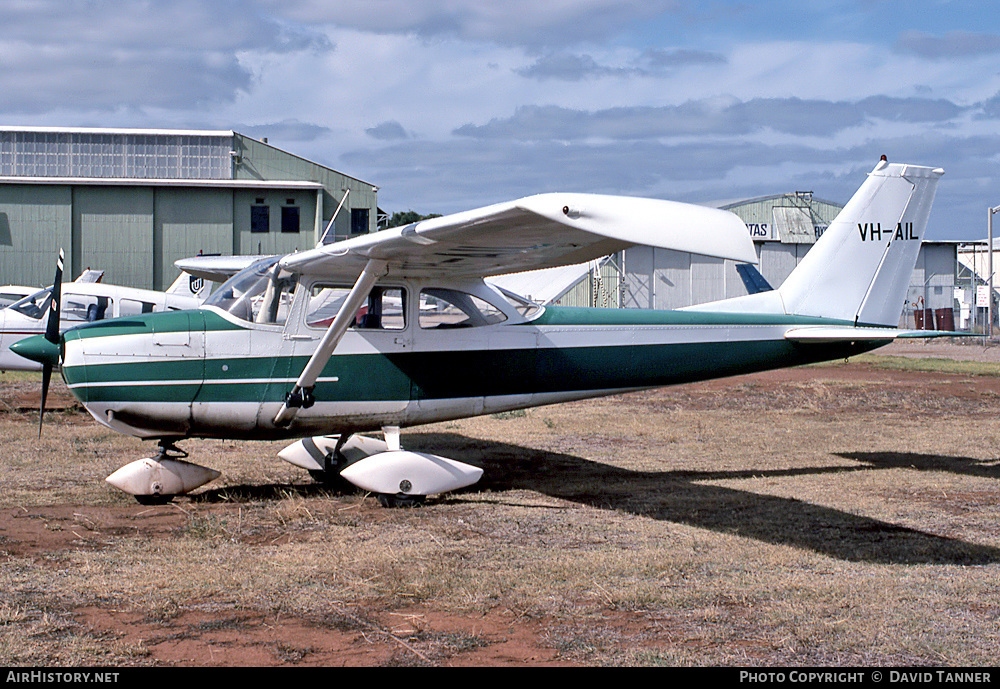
(156, 480)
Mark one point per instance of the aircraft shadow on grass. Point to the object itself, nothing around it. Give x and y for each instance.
(682, 497)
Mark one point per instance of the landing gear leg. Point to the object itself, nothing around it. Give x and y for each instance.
(333, 462)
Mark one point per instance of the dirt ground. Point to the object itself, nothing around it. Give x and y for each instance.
(526, 503)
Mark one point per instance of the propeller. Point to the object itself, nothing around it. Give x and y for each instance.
(52, 335)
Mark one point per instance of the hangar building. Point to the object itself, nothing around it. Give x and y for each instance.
(132, 201)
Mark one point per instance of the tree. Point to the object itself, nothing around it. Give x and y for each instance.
(398, 219)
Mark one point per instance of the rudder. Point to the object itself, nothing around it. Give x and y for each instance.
(859, 270)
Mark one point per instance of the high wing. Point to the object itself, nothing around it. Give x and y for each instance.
(540, 231)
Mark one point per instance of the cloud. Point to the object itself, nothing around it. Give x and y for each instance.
(286, 130)
(104, 55)
(726, 117)
(952, 44)
(448, 176)
(387, 131)
(570, 67)
(514, 22)
(659, 59)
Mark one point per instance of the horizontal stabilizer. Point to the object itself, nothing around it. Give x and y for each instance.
(215, 268)
(849, 333)
(752, 279)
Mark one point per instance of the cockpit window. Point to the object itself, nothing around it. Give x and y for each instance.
(449, 308)
(385, 308)
(261, 293)
(79, 308)
(34, 306)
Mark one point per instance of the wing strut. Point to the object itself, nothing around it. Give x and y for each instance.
(301, 395)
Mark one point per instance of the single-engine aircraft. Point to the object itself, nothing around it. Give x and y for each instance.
(399, 328)
(84, 300)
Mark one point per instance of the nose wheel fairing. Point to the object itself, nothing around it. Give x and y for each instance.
(159, 478)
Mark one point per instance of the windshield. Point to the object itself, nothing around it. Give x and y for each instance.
(260, 293)
(34, 306)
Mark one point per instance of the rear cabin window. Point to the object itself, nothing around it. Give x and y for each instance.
(132, 307)
(448, 308)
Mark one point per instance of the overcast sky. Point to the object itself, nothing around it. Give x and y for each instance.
(451, 105)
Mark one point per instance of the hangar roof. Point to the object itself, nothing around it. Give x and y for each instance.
(793, 218)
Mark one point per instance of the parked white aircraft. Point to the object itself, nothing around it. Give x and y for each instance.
(82, 302)
(399, 328)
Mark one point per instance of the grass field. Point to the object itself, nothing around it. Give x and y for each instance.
(839, 515)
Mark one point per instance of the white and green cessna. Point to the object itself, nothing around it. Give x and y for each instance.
(399, 328)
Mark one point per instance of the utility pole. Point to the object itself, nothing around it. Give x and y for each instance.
(989, 271)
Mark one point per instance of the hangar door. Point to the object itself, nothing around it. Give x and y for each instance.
(113, 232)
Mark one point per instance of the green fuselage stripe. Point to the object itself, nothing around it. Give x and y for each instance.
(443, 374)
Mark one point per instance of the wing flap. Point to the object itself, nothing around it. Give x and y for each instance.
(542, 231)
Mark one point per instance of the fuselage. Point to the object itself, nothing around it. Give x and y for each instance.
(423, 353)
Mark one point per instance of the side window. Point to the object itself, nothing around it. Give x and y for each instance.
(385, 308)
(448, 308)
(131, 307)
(83, 308)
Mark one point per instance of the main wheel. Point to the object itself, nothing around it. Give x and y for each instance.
(401, 500)
(153, 499)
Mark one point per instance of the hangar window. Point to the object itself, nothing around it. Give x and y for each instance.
(290, 219)
(448, 308)
(385, 308)
(260, 219)
(359, 220)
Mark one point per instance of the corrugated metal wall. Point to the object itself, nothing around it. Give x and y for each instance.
(188, 222)
(261, 161)
(135, 231)
(113, 232)
(35, 223)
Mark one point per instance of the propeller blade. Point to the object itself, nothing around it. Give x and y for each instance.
(52, 335)
(55, 305)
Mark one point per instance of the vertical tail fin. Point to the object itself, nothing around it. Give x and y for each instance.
(860, 269)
